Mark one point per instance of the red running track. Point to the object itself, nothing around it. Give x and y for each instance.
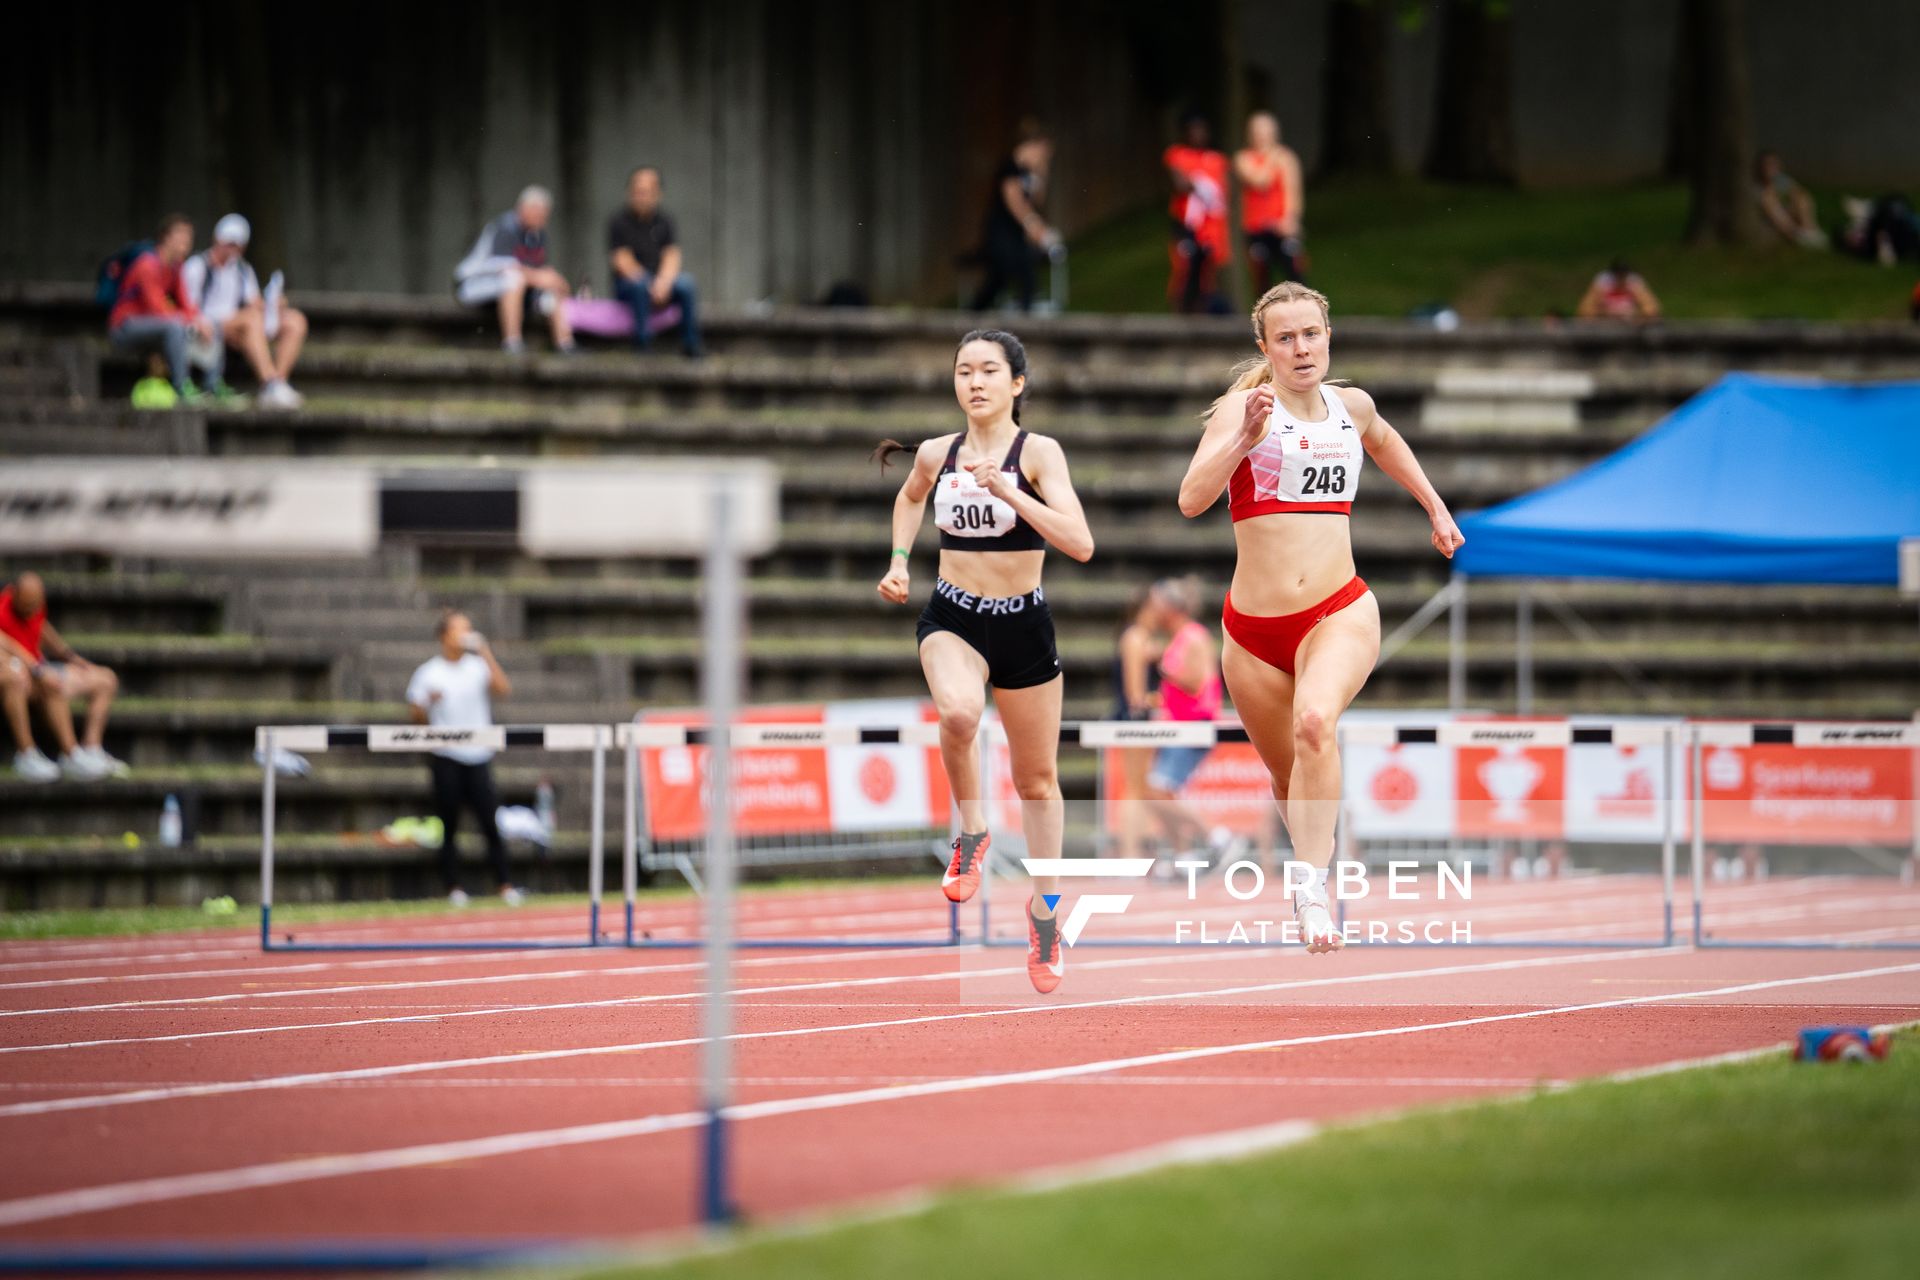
(190, 1088)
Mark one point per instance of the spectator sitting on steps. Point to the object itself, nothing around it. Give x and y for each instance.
(507, 269)
(37, 665)
(1785, 204)
(153, 312)
(1618, 293)
(223, 285)
(644, 252)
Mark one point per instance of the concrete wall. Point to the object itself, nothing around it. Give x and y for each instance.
(802, 143)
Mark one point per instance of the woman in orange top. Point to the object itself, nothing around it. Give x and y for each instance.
(1302, 629)
(1198, 175)
(1271, 202)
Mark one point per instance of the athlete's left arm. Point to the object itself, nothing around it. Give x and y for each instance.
(1060, 519)
(1393, 455)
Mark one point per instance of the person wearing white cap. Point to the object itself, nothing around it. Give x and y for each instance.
(263, 327)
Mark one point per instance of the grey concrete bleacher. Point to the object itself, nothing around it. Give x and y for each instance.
(208, 651)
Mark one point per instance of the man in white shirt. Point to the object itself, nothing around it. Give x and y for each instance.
(261, 327)
(455, 690)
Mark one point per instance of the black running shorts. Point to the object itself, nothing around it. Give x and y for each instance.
(1013, 633)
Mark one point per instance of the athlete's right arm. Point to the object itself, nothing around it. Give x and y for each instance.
(1238, 422)
(909, 509)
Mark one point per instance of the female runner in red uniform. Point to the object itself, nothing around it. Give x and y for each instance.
(1302, 629)
(1000, 496)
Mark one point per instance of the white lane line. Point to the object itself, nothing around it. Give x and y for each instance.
(215, 1088)
(892, 1077)
(276, 970)
(63, 1204)
(496, 1010)
(534, 922)
(424, 984)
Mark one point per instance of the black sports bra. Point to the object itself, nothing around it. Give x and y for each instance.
(970, 518)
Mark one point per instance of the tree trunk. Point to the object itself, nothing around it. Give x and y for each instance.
(1358, 137)
(1473, 121)
(1235, 281)
(1683, 126)
(1722, 209)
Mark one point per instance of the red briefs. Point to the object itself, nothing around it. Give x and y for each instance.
(1275, 639)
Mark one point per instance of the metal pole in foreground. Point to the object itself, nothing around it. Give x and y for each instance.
(720, 676)
(1457, 644)
(266, 845)
(1667, 797)
(1698, 818)
(596, 841)
(986, 864)
(629, 823)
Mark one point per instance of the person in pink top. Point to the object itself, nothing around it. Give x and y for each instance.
(1190, 689)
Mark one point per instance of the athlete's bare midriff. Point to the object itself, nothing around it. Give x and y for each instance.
(1290, 560)
(993, 574)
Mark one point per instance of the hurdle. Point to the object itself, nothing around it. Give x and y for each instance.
(419, 739)
(634, 738)
(1536, 733)
(1814, 735)
(1673, 738)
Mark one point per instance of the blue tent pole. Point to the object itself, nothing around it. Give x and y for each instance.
(1457, 643)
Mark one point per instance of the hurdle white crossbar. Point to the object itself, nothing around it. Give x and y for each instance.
(270, 740)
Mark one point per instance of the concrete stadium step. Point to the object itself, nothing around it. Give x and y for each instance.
(734, 383)
(108, 603)
(271, 577)
(353, 623)
(66, 311)
(1615, 617)
(29, 378)
(153, 435)
(218, 667)
(821, 439)
(1738, 679)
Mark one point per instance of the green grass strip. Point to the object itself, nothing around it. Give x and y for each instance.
(1764, 1168)
(1381, 248)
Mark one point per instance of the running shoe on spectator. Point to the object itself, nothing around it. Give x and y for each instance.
(33, 766)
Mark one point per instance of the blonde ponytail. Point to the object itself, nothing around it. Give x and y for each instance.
(1256, 372)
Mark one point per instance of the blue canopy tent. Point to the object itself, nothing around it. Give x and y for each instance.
(1756, 479)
